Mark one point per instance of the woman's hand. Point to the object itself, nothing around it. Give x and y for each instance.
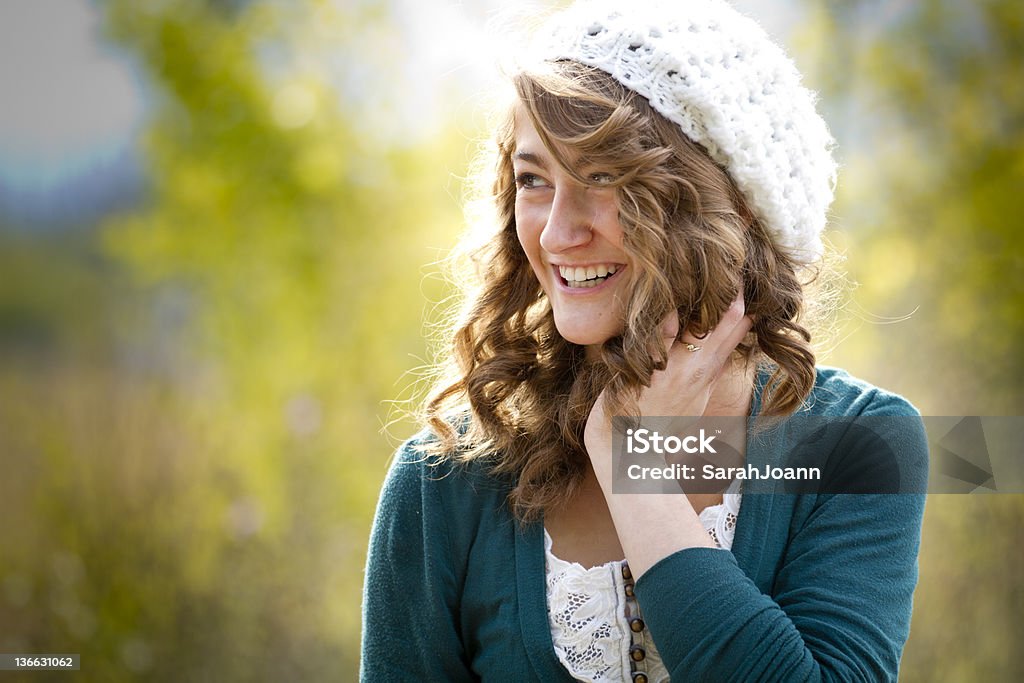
(689, 379)
(653, 526)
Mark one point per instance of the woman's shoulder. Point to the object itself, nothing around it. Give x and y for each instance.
(442, 502)
(420, 472)
(838, 393)
(864, 439)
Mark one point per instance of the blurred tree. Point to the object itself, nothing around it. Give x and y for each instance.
(930, 96)
(199, 511)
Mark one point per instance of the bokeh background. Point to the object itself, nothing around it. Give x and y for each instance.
(218, 221)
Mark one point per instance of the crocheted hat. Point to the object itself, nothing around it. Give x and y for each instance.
(718, 75)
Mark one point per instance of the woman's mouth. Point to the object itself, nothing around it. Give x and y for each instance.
(585, 277)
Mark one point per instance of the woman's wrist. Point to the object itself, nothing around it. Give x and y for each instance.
(650, 526)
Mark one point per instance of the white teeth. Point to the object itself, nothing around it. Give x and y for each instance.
(582, 274)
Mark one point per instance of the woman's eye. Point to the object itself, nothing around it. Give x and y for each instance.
(529, 181)
(602, 178)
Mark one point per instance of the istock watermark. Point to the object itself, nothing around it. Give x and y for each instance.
(819, 455)
(646, 440)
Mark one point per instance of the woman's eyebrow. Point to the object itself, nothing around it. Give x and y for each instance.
(531, 158)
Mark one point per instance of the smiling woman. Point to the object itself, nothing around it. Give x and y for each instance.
(660, 184)
(570, 232)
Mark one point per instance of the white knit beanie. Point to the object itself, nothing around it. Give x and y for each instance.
(718, 75)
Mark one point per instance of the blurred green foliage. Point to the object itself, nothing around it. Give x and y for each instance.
(929, 195)
(192, 397)
(936, 242)
(193, 497)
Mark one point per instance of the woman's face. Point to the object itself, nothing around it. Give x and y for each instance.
(572, 237)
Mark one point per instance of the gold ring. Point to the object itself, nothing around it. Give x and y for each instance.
(693, 347)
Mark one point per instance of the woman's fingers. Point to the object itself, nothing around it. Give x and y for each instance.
(710, 352)
(669, 331)
(737, 334)
(684, 386)
(732, 319)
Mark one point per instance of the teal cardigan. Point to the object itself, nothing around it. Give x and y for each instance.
(817, 587)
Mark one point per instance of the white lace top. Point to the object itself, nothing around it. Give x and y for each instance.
(594, 619)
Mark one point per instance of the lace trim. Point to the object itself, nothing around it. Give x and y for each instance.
(587, 608)
(720, 520)
(586, 616)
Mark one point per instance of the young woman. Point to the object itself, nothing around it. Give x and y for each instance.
(661, 183)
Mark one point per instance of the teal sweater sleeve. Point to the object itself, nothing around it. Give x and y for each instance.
(839, 605)
(411, 594)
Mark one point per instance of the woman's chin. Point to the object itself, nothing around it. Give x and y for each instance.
(585, 337)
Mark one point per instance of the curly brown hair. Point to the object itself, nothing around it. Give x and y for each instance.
(517, 394)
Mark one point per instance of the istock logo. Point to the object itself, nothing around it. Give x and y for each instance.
(647, 441)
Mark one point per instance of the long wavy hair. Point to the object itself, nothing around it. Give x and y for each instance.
(515, 394)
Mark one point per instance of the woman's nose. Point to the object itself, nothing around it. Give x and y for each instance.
(569, 222)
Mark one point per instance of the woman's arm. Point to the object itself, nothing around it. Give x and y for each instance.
(410, 597)
(838, 609)
(840, 602)
(653, 526)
